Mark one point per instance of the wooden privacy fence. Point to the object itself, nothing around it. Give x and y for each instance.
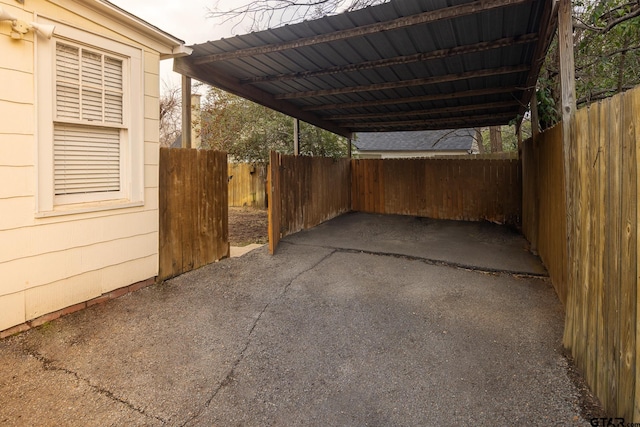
(544, 221)
(459, 189)
(598, 282)
(193, 209)
(303, 192)
(247, 185)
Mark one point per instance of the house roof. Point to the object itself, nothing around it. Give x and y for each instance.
(177, 143)
(430, 140)
(402, 65)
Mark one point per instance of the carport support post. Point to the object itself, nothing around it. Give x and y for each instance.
(186, 112)
(349, 142)
(296, 137)
(568, 89)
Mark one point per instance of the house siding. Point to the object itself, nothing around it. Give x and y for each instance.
(49, 263)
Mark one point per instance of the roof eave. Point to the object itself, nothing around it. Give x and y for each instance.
(176, 47)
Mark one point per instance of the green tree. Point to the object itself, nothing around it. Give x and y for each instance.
(607, 55)
(248, 131)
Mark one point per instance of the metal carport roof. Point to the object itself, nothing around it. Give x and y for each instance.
(402, 65)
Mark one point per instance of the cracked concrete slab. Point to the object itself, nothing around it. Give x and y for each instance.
(482, 245)
(316, 335)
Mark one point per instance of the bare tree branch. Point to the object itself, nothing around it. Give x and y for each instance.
(633, 12)
(262, 14)
(170, 114)
(608, 55)
(601, 94)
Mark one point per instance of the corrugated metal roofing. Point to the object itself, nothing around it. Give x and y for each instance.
(402, 65)
(427, 140)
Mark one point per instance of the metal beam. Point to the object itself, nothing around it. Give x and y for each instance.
(438, 125)
(406, 83)
(417, 123)
(185, 67)
(399, 60)
(412, 99)
(430, 112)
(407, 21)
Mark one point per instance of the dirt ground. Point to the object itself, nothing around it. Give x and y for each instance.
(247, 225)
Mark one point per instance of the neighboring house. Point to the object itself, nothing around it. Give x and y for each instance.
(428, 143)
(79, 153)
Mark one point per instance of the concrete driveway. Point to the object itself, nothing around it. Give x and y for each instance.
(363, 321)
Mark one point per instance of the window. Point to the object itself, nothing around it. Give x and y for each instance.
(88, 124)
(90, 121)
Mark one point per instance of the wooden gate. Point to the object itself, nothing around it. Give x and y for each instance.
(304, 192)
(193, 201)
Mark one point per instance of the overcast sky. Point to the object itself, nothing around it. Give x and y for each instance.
(184, 19)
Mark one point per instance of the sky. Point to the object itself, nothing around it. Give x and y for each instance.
(184, 19)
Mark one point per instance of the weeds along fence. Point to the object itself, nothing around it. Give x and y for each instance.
(193, 204)
(595, 271)
(247, 185)
(459, 189)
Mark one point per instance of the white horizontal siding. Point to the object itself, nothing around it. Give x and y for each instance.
(16, 87)
(57, 237)
(22, 179)
(16, 150)
(12, 310)
(129, 272)
(151, 178)
(17, 118)
(151, 63)
(16, 212)
(152, 80)
(151, 199)
(152, 135)
(149, 112)
(64, 293)
(50, 263)
(151, 155)
(16, 56)
(27, 273)
(57, 295)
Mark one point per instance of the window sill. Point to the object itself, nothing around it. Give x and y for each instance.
(81, 208)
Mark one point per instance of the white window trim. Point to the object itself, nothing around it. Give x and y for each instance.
(132, 149)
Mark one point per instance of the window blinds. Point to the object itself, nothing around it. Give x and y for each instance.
(89, 102)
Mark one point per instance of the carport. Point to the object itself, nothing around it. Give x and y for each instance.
(402, 65)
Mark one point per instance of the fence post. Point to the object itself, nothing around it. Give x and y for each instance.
(567, 85)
